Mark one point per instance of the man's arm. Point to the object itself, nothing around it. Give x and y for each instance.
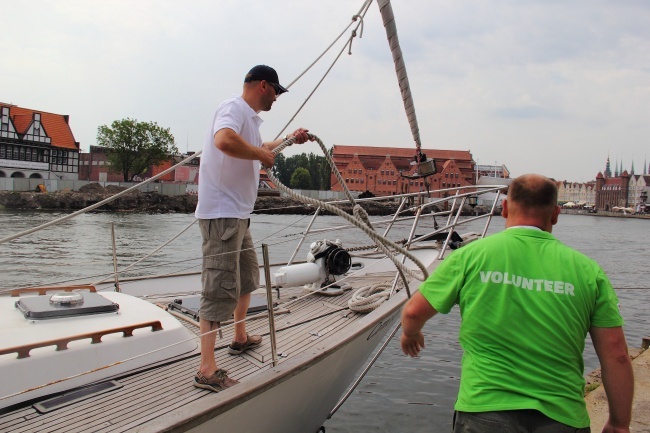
(232, 144)
(414, 315)
(301, 135)
(617, 376)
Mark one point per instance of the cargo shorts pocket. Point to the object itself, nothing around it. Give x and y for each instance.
(229, 229)
(221, 279)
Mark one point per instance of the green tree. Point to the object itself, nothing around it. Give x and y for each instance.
(280, 167)
(301, 179)
(316, 166)
(135, 146)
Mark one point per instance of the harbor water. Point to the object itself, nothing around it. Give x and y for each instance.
(399, 394)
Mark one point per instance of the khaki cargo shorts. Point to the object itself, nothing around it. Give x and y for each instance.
(230, 266)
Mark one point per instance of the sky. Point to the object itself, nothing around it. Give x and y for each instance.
(545, 86)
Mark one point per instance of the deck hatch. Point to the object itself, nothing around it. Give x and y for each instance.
(75, 396)
(43, 307)
(189, 306)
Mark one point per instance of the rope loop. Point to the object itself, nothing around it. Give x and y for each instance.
(383, 244)
(368, 298)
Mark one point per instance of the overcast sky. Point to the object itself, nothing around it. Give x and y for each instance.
(547, 86)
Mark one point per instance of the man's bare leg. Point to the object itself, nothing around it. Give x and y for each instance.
(240, 315)
(208, 362)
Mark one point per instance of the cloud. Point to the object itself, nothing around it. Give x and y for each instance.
(547, 86)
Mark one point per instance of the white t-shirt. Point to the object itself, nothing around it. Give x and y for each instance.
(227, 185)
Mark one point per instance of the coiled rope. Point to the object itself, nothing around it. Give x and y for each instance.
(369, 298)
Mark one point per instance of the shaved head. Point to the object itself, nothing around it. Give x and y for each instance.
(532, 200)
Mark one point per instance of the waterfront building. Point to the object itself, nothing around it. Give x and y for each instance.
(36, 144)
(497, 171)
(638, 192)
(622, 190)
(94, 167)
(389, 171)
(579, 193)
(612, 192)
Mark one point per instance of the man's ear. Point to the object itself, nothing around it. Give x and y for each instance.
(556, 214)
(504, 210)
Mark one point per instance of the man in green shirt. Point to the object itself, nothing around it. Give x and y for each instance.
(527, 303)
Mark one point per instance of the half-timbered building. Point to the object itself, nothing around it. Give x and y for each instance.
(36, 144)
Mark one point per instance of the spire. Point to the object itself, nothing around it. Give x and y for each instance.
(645, 166)
(615, 168)
(608, 172)
(632, 169)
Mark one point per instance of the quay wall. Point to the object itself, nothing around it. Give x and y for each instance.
(156, 202)
(605, 214)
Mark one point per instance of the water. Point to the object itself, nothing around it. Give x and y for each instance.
(399, 394)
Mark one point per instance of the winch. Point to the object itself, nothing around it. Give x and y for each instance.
(326, 260)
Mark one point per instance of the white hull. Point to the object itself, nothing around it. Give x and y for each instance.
(298, 396)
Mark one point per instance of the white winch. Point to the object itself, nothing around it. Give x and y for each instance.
(326, 260)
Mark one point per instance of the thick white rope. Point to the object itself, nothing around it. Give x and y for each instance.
(384, 244)
(369, 298)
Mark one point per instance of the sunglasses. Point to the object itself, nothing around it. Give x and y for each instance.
(276, 88)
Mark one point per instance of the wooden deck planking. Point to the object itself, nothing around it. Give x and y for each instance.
(159, 390)
(181, 373)
(136, 390)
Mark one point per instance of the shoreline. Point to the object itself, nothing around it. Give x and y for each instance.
(596, 399)
(602, 213)
(154, 202)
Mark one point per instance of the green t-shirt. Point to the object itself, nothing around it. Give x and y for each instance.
(527, 302)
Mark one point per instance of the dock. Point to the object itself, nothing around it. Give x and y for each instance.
(597, 400)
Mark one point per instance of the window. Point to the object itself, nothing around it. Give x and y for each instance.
(382, 172)
(355, 171)
(392, 172)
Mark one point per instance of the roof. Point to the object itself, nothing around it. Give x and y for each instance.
(55, 125)
(402, 152)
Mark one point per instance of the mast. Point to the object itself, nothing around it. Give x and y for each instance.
(400, 68)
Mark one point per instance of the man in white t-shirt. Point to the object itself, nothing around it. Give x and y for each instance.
(228, 181)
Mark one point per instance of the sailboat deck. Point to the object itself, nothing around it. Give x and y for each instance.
(147, 394)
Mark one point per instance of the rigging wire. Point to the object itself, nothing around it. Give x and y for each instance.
(360, 16)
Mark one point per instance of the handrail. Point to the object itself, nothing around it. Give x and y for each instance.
(43, 290)
(96, 337)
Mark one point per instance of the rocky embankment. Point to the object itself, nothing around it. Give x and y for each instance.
(154, 202)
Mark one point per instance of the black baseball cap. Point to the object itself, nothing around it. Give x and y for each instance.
(268, 74)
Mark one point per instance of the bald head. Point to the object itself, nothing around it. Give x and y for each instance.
(532, 200)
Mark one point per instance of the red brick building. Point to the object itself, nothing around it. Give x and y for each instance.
(380, 170)
(36, 144)
(612, 191)
(94, 167)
